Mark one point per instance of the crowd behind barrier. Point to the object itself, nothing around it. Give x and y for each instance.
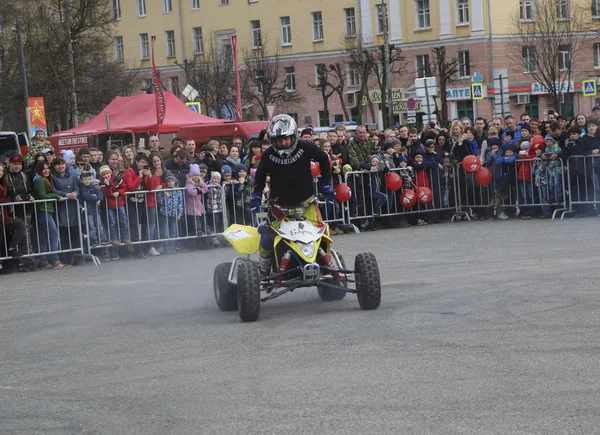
(137, 204)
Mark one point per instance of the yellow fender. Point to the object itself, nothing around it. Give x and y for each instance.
(244, 238)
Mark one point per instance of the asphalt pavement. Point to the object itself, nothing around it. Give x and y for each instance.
(484, 328)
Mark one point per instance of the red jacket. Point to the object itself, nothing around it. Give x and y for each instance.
(132, 180)
(152, 183)
(524, 172)
(116, 185)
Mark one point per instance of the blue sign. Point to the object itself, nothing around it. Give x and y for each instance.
(195, 106)
(477, 78)
(477, 91)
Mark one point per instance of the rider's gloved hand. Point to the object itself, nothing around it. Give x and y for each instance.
(327, 189)
(256, 200)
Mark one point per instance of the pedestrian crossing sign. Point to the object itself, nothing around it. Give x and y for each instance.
(477, 91)
(588, 87)
(195, 106)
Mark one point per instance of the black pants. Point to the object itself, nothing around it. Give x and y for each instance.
(11, 234)
(69, 239)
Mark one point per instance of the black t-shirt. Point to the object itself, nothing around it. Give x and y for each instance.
(291, 179)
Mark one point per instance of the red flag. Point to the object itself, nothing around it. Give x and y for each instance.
(160, 98)
(238, 99)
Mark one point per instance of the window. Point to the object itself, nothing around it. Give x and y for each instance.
(464, 109)
(317, 20)
(323, 118)
(225, 49)
(597, 55)
(563, 10)
(529, 55)
(423, 17)
(320, 75)
(198, 40)
(223, 2)
(141, 8)
(144, 46)
(116, 9)
(533, 108)
(526, 10)
(252, 1)
(564, 57)
(350, 22)
(167, 6)
(174, 85)
(462, 13)
(195, 4)
(422, 63)
(170, 36)
(119, 53)
(256, 39)
(286, 31)
(353, 78)
(290, 79)
(381, 12)
(147, 86)
(596, 8)
(259, 81)
(463, 65)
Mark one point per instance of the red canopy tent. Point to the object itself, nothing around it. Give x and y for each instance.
(138, 114)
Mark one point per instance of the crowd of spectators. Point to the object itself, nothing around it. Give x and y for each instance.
(134, 200)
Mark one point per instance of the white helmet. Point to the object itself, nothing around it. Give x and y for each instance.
(283, 126)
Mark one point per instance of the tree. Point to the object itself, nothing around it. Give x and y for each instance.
(549, 42)
(212, 74)
(357, 52)
(262, 81)
(98, 76)
(331, 79)
(446, 71)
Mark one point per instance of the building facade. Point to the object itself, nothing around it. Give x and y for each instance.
(307, 33)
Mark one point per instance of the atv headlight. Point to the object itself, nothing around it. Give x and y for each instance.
(308, 249)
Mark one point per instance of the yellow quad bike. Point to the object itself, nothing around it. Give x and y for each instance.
(303, 258)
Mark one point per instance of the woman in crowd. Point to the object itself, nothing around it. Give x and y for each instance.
(112, 160)
(65, 182)
(155, 181)
(128, 153)
(136, 204)
(43, 189)
(234, 157)
(9, 223)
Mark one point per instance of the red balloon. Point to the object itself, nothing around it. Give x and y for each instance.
(483, 176)
(424, 194)
(408, 198)
(471, 163)
(342, 192)
(315, 169)
(393, 181)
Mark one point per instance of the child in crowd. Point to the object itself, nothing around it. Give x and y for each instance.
(389, 155)
(540, 177)
(114, 190)
(551, 156)
(505, 172)
(421, 180)
(170, 208)
(92, 196)
(524, 179)
(242, 193)
(377, 170)
(195, 189)
(214, 210)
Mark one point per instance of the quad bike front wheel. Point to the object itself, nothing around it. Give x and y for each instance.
(225, 292)
(330, 294)
(368, 283)
(248, 291)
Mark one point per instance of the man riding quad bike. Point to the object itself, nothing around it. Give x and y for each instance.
(294, 242)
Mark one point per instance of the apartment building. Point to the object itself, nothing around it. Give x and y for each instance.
(307, 33)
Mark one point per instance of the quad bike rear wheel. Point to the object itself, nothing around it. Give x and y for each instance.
(368, 282)
(248, 291)
(330, 294)
(225, 292)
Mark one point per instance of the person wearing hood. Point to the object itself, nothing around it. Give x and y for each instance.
(136, 204)
(525, 172)
(37, 144)
(195, 189)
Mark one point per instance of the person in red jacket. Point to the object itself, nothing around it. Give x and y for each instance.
(525, 162)
(114, 193)
(155, 181)
(136, 203)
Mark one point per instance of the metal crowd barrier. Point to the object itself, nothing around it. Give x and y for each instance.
(51, 235)
(371, 198)
(529, 184)
(583, 184)
(156, 218)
